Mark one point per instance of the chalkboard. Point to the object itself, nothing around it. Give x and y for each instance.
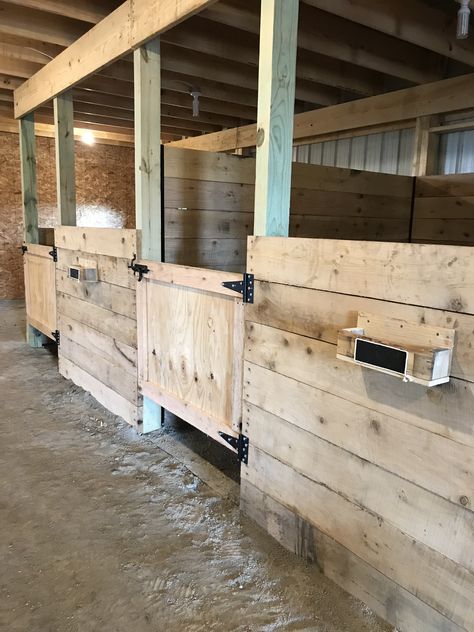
(379, 355)
(73, 273)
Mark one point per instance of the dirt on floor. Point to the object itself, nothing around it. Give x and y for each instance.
(104, 530)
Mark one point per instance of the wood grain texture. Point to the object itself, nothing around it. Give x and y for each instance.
(65, 159)
(276, 97)
(28, 178)
(402, 273)
(40, 289)
(393, 603)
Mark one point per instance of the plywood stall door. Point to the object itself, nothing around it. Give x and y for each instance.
(190, 337)
(40, 288)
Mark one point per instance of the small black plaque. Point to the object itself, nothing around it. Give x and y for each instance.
(385, 357)
(74, 273)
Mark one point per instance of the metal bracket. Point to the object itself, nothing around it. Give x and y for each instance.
(138, 268)
(24, 248)
(54, 253)
(57, 336)
(244, 287)
(240, 443)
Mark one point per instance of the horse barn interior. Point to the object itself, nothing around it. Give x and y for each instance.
(237, 315)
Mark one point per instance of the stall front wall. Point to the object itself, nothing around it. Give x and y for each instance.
(444, 209)
(369, 476)
(97, 321)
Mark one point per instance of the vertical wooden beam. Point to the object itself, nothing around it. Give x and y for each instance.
(28, 178)
(30, 201)
(276, 100)
(147, 78)
(426, 147)
(147, 64)
(65, 170)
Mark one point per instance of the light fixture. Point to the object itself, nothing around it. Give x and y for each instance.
(195, 93)
(87, 137)
(463, 19)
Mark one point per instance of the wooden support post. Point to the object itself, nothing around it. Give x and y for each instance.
(426, 147)
(28, 178)
(276, 98)
(147, 77)
(30, 205)
(65, 171)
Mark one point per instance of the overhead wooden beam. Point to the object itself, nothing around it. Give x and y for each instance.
(276, 97)
(84, 10)
(413, 21)
(148, 199)
(129, 26)
(65, 170)
(449, 95)
(28, 178)
(327, 34)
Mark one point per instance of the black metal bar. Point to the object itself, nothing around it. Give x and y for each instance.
(162, 209)
(138, 268)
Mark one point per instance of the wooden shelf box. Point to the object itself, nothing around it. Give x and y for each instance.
(411, 351)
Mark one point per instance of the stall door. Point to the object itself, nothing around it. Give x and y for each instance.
(40, 288)
(190, 339)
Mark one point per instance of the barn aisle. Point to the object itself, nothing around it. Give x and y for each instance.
(103, 530)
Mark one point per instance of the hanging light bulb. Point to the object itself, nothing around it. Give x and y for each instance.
(463, 19)
(195, 93)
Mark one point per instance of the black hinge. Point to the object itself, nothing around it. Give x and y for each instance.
(240, 443)
(24, 248)
(138, 268)
(244, 287)
(57, 336)
(54, 253)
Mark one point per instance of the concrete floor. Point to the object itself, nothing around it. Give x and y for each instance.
(104, 530)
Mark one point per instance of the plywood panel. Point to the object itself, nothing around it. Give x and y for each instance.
(40, 288)
(190, 335)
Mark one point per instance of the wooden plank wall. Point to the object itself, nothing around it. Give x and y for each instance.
(98, 321)
(367, 475)
(444, 209)
(209, 202)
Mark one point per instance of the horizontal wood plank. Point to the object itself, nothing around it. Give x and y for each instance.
(112, 375)
(111, 270)
(113, 242)
(111, 400)
(402, 273)
(403, 504)
(446, 410)
(319, 314)
(214, 167)
(119, 300)
(431, 461)
(103, 320)
(385, 597)
(381, 545)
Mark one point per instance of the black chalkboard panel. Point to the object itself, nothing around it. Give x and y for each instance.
(380, 355)
(73, 273)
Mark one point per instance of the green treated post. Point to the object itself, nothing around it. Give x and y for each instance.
(276, 99)
(147, 79)
(65, 170)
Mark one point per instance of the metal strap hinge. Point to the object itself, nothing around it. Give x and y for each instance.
(24, 248)
(244, 287)
(54, 253)
(57, 336)
(240, 443)
(138, 268)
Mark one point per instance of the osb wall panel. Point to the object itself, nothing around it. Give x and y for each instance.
(105, 197)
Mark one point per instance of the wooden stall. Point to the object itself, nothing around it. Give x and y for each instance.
(97, 319)
(444, 209)
(369, 476)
